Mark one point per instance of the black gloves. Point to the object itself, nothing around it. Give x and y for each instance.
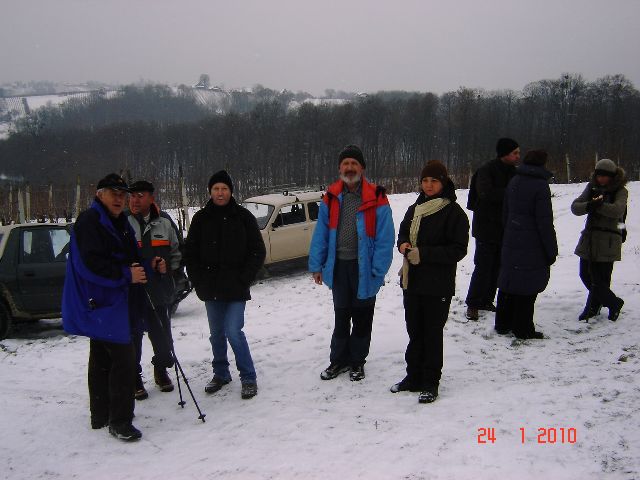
(594, 204)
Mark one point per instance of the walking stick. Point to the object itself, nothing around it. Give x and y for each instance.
(176, 363)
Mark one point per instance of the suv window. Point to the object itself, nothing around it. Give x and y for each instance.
(44, 246)
(261, 211)
(290, 215)
(314, 208)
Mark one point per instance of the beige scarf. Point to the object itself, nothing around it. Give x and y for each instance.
(423, 210)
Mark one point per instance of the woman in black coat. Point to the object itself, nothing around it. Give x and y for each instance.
(433, 237)
(529, 247)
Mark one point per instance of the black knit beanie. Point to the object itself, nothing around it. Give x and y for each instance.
(435, 169)
(221, 177)
(505, 146)
(352, 151)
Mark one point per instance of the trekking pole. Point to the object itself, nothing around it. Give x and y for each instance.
(176, 363)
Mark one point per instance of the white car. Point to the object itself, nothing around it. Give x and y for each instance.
(286, 221)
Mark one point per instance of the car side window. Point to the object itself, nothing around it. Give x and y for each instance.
(60, 241)
(290, 215)
(314, 208)
(44, 246)
(36, 247)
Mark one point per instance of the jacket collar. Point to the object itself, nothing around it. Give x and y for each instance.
(368, 192)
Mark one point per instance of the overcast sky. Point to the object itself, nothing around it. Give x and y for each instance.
(352, 45)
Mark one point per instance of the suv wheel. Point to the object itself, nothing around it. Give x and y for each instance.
(5, 321)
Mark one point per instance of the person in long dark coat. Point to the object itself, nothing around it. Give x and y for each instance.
(604, 201)
(529, 247)
(486, 199)
(433, 237)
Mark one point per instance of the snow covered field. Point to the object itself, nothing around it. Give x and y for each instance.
(582, 377)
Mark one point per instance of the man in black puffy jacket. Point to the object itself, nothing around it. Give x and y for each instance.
(488, 188)
(223, 252)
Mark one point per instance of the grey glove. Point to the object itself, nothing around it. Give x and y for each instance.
(413, 255)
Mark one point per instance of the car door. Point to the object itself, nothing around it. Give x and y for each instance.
(289, 234)
(41, 267)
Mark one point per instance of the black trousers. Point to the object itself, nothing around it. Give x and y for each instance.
(484, 280)
(159, 336)
(425, 317)
(111, 378)
(350, 346)
(515, 312)
(596, 276)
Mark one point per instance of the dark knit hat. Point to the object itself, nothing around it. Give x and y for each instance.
(142, 186)
(221, 177)
(435, 169)
(352, 151)
(114, 182)
(535, 157)
(606, 168)
(505, 146)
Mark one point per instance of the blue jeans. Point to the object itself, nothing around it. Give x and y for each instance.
(226, 320)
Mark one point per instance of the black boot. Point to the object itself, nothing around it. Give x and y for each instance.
(591, 309)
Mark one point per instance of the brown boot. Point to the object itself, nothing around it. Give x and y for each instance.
(140, 393)
(162, 379)
(472, 313)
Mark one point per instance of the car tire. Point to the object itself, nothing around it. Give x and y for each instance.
(5, 321)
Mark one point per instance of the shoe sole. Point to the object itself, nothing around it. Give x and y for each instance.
(141, 396)
(125, 438)
(427, 400)
(165, 388)
(339, 372)
(215, 389)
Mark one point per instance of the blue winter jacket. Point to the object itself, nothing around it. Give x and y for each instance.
(97, 305)
(376, 236)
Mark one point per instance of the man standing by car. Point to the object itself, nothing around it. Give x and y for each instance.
(223, 252)
(102, 299)
(156, 238)
(351, 252)
(486, 197)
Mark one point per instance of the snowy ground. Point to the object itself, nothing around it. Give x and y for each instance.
(581, 377)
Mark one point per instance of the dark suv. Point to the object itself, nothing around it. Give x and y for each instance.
(33, 259)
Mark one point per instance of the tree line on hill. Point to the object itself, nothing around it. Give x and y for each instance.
(152, 132)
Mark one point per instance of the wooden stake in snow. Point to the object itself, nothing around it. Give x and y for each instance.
(20, 207)
(28, 202)
(185, 201)
(77, 205)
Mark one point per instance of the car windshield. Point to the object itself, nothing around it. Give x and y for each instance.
(261, 211)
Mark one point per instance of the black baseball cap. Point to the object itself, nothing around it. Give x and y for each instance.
(142, 186)
(114, 182)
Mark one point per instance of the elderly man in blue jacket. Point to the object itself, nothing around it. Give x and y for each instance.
(351, 252)
(102, 300)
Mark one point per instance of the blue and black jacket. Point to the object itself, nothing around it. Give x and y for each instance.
(99, 300)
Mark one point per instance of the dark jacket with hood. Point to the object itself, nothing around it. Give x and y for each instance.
(601, 239)
(223, 252)
(443, 238)
(529, 246)
(491, 182)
